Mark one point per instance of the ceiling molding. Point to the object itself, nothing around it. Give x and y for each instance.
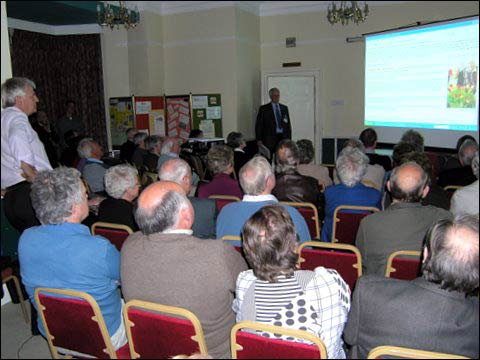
(54, 30)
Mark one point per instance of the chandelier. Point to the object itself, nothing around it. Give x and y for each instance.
(113, 16)
(347, 11)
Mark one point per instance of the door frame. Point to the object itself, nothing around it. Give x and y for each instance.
(318, 123)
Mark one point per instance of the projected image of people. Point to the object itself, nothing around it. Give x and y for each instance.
(462, 86)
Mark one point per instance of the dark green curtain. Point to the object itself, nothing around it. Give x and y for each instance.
(64, 67)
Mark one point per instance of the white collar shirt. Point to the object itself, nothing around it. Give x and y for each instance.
(259, 198)
(19, 143)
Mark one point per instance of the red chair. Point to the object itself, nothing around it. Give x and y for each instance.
(158, 331)
(249, 345)
(310, 213)
(346, 221)
(222, 200)
(116, 233)
(7, 275)
(397, 352)
(401, 267)
(344, 258)
(75, 323)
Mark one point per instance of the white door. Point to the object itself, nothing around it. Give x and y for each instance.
(298, 92)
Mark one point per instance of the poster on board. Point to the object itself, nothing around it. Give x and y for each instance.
(150, 114)
(121, 118)
(207, 114)
(178, 116)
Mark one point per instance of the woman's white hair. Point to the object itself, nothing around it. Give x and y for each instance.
(351, 166)
(119, 179)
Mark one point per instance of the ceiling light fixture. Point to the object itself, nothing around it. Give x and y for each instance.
(347, 11)
(113, 16)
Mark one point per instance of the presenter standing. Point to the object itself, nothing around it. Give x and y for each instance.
(273, 123)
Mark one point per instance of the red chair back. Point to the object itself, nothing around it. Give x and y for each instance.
(73, 323)
(247, 345)
(222, 200)
(344, 258)
(346, 221)
(153, 334)
(401, 267)
(310, 213)
(115, 233)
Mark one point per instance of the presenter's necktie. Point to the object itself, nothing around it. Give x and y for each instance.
(278, 116)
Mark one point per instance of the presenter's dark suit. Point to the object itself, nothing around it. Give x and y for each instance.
(266, 127)
(415, 314)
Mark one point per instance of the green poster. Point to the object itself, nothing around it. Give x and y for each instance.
(207, 114)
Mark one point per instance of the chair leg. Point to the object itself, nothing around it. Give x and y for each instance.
(20, 296)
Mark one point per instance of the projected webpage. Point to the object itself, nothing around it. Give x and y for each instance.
(423, 78)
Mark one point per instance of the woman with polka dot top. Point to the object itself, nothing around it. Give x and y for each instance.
(274, 292)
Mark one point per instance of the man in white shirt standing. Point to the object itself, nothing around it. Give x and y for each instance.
(23, 154)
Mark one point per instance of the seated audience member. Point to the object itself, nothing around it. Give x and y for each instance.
(122, 185)
(236, 141)
(306, 153)
(47, 136)
(165, 264)
(94, 169)
(464, 175)
(453, 161)
(274, 292)
(257, 181)
(403, 224)
(465, 200)
(170, 150)
(351, 166)
(140, 151)
(220, 165)
(290, 185)
(128, 147)
(369, 139)
(153, 144)
(436, 196)
(415, 139)
(195, 134)
(178, 171)
(374, 175)
(62, 254)
(435, 312)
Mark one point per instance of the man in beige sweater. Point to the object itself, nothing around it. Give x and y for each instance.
(165, 264)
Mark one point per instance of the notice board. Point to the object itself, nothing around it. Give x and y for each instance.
(121, 118)
(207, 114)
(178, 116)
(150, 114)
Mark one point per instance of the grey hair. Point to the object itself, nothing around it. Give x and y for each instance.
(286, 157)
(167, 146)
(162, 217)
(119, 179)
(259, 170)
(54, 192)
(306, 152)
(219, 158)
(139, 137)
(272, 90)
(351, 166)
(450, 263)
(152, 141)
(464, 153)
(354, 143)
(84, 148)
(176, 173)
(14, 87)
(415, 138)
(475, 164)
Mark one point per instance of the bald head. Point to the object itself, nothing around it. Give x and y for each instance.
(163, 206)
(177, 171)
(451, 257)
(408, 183)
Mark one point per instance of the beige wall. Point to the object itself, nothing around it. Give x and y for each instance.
(6, 63)
(323, 46)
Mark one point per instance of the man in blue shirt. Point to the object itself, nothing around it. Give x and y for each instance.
(62, 254)
(257, 181)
